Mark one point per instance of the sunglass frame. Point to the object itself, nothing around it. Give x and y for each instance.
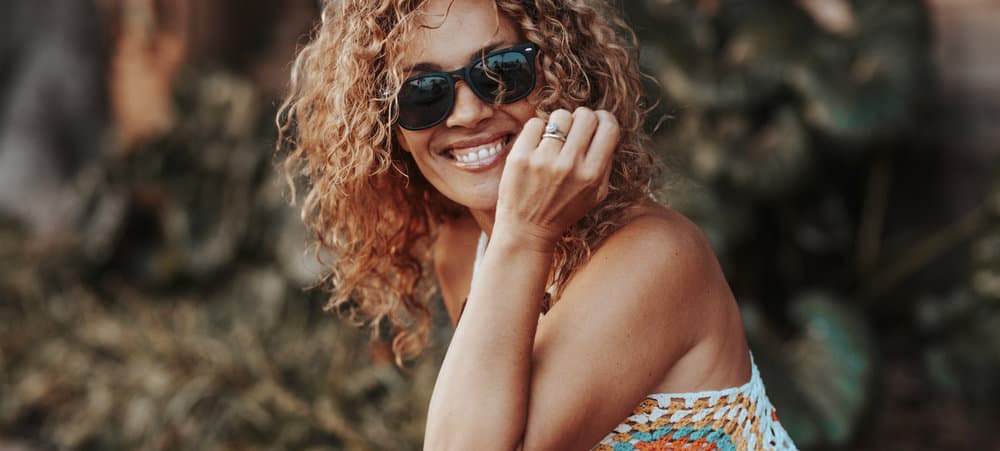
(529, 51)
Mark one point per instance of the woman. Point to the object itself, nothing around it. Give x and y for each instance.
(419, 125)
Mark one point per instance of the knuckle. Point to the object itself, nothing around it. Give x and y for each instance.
(610, 129)
(586, 116)
(616, 134)
(589, 175)
(537, 164)
(516, 160)
(562, 166)
(607, 118)
(559, 114)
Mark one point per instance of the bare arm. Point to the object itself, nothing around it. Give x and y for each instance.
(480, 399)
(483, 384)
(623, 321)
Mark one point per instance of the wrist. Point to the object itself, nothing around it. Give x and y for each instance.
(524, 235)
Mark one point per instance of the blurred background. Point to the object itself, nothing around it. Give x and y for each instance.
(156, 291)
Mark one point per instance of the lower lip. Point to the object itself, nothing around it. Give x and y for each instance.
(485, 163)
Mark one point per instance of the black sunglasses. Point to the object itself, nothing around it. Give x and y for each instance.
(503, 76)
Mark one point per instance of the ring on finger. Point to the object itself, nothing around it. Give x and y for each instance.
(552, 131)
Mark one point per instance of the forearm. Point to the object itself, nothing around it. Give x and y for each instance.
(481, 394)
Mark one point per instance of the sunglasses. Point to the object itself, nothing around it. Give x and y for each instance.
(502, 76)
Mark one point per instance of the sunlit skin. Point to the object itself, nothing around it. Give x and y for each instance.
(649, 312)
(472, 121)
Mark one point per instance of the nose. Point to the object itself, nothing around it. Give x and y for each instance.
(469, 109)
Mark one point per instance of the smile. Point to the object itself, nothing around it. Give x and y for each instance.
(481, 156)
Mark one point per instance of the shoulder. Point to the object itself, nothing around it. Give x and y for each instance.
(672, 292)
(650, 296)
(661, 249)
(655, 231)
(658, 269)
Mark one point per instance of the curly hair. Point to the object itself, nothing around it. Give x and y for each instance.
(367, 203)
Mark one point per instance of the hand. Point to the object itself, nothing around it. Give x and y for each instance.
(548, 185)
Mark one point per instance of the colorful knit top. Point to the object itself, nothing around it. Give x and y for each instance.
(732, 419)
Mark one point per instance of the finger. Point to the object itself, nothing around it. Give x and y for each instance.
(602, 147)
(527, 141)
(605, 188)
(580, 136)
(561, 120)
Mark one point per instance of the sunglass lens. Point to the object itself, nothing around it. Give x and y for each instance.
(423, 101)
(507, 77)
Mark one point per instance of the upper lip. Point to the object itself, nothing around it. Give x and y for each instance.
(474, 141)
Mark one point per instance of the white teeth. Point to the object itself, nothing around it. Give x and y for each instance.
(481, 153)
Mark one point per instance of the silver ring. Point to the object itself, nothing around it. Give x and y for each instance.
(554, 136)
(552, 131)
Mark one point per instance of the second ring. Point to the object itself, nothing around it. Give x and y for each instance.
(552, 131)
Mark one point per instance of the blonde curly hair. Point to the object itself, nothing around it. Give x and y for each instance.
(367, 203)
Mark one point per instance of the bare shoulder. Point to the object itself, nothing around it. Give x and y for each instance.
(657, 269)
(650, 312)
(659, 277)
(661, 248)
(655, 231)
(454, 253)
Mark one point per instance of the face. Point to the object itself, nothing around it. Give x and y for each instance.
(474, 126)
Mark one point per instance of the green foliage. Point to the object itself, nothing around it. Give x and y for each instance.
(177, 317)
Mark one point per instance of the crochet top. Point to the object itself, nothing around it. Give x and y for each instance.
(731, 419)
(737, 418)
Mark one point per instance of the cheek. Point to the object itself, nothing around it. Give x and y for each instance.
(523, 111)
(404, 154)
(414, 142)
(412, 150)
(528, 108)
